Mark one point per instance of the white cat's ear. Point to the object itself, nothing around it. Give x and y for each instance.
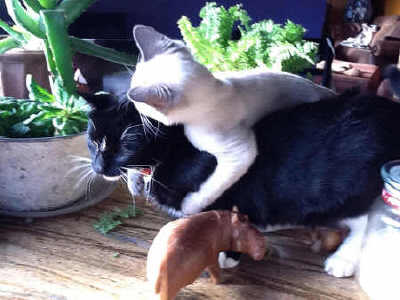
(149, 41)
(151, 96)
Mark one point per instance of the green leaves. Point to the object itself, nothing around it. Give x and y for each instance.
(36, 92)
(48, 4)
(263, 44)
(222, 21)
(108, 221)
(42, 115)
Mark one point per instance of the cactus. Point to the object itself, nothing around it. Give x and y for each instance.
(45, 22)
(48, 20)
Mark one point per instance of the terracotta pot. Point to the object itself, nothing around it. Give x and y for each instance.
(15, 65)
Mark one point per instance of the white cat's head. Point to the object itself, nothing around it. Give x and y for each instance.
(168, 81)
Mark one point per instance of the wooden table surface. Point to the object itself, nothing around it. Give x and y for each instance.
(63, 258)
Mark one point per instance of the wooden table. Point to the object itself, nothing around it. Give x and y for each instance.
(63, 258)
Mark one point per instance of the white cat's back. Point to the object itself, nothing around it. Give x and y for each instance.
(261, 91)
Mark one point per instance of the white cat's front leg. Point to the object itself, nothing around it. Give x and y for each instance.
(234, 157)
(135, 182)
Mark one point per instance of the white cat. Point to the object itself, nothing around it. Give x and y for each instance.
(217, 110)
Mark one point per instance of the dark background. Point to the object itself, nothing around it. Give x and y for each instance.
(115, 18)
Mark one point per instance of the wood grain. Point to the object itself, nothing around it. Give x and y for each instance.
(64, 258)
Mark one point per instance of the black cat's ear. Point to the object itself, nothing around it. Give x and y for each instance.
(153, 96)
(98, 101)
(149, 41)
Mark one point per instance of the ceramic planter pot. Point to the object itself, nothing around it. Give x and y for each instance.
(37, 177)
(15, 65)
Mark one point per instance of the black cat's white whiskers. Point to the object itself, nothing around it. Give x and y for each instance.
(160, 183)
(91, 179)
(126, 134)
(85, 175)
(135, 166)
(78, 167)
(124, 178)
(129, 137)
(77, 158)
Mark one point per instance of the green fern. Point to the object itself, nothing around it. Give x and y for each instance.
(262, 44)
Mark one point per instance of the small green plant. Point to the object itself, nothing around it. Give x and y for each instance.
(43, 114)
(110, 220)
(262, 44)
(45, 23)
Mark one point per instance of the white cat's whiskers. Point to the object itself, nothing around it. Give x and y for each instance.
(129, 69)
(144, 125)
(147, 124)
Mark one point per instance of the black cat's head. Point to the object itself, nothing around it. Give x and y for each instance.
(117, 137)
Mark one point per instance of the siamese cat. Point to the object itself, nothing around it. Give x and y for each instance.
(217, 110)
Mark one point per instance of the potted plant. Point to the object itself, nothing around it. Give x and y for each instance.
(262, 44)
(38, 135)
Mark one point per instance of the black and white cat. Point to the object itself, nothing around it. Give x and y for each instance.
(318, 164)
(217, 110)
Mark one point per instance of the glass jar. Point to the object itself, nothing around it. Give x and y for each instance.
(380, 259)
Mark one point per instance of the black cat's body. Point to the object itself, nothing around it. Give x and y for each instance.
(318, 163)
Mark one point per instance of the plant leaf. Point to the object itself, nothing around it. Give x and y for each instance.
(13, 33)
(48, 4)
(8, 43)
(60, 46)
(74, 8)
(36, 92)
(112, 55)
(30, 22)
(33, 5)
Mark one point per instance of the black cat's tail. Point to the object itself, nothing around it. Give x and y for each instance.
(393, 74)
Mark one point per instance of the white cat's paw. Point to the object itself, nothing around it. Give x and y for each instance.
(135, 184)
(226, 262)
(338, 266)
(191, 204)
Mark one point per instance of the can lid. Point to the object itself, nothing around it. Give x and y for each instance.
(390, 173)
